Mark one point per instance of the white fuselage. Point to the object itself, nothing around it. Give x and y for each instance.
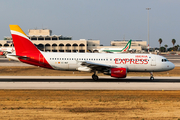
(133, 62)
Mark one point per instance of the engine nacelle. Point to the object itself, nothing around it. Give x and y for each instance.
(118, 72)
(82, 68)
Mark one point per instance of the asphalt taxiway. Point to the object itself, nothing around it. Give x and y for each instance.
(86, 83)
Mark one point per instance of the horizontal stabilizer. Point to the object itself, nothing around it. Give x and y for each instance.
(16, 57)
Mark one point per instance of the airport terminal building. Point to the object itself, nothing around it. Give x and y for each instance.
(45, 41)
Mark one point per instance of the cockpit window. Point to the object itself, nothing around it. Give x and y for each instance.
(164, 60)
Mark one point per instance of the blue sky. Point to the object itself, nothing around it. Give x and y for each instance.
(105, 20)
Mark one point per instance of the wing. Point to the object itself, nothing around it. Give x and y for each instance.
(97, 66)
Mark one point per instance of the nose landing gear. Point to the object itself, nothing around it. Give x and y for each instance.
(151, 77)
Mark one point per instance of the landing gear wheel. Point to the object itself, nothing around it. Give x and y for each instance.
(151, 78)
(95, 77)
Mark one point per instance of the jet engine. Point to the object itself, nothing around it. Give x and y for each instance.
(117, 72)
(82, 68)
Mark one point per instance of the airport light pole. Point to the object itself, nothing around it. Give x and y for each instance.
(148, 25)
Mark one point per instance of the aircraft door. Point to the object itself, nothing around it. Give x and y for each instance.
(41, 59)
(153, 61)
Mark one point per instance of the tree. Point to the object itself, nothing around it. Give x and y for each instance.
(162, 49)
(170, 49)
(166, 46)
(160, 41)
(176, 48)
(173, 42)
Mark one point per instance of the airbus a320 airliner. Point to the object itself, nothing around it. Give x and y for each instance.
(115, 65)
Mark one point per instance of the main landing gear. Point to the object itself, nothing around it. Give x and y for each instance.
(95, 77)
(151, 77)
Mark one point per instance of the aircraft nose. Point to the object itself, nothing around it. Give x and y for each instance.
(171, 66)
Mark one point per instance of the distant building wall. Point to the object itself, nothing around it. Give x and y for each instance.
(134, 43)
(93, 43)
(44, 41)
(81, 45)
(39, 32)
(62, 45)
(97, 48)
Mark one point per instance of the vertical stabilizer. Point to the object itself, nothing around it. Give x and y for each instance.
(127, 47)
(26, 51)
(22, 43)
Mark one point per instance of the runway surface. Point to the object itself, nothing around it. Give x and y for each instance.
(86, 83)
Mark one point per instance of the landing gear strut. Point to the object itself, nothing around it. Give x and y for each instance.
(151, 78)
(95, 77)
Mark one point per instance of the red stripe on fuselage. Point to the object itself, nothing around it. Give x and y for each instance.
(33, 56)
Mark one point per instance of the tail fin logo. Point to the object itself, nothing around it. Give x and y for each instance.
(127, 47)
(15, 29)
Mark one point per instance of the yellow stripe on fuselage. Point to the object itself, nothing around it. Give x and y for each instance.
(16, 28)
